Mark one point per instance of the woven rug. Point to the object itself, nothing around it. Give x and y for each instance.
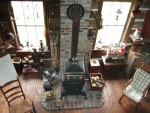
(94, 99)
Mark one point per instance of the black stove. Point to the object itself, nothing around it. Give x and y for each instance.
(74, 67)
(74, 70)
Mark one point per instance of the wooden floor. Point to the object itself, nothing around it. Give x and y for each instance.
(114, 81)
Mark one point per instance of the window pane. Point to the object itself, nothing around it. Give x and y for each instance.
(20, 19)
(29, 19)
(112, 28)
(117, 34)
(40, 20)
(105, 8)
(22, 30)
(109, 35)
(107, 40)
(125, 11)
(40, 31)
(38, 8)
(43, 39)
(27, 7)
(122, 20)
(110, 31)
(112, 20)
(126, 7)
(101, 34)
(23, 40)
(17, 6)
(31, 31)
(33, 41)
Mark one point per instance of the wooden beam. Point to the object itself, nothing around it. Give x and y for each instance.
(97, 22)
(129, 25)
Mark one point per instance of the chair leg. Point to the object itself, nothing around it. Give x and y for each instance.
(121, 98)
(33, 108)
(34, 111)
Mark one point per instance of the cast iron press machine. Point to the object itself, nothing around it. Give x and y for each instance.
(74, 70)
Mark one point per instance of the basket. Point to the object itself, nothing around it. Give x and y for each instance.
(16, 60)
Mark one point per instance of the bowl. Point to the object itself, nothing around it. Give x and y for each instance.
(30, 57)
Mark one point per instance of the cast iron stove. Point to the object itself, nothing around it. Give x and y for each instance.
(74, 70)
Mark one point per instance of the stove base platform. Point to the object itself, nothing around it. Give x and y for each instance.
(65, 93)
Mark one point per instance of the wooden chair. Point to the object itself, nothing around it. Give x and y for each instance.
(16, 99)
(136, 88)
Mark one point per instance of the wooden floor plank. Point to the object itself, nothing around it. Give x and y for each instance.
(32, 85)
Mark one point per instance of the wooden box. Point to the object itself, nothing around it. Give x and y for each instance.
(94, 66)
(96, 81)
(49, 95)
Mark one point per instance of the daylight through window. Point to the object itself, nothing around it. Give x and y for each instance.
(113, 23)
(30, 22)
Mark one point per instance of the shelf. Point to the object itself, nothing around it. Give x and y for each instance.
(139, 41)
(139, 20)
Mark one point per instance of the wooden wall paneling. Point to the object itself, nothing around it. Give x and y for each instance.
(46, 6)
(6, 16)
(129, 24)
(146, 27)
(97, 22)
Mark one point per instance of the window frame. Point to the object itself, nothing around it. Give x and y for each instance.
(127, 28)
(35, 25)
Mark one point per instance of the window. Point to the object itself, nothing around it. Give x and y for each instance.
(112, 28)
(30, 22)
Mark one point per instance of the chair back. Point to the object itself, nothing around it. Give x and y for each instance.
(141, 80)
(12, 90)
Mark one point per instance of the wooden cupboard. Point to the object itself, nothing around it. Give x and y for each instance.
(132, 61)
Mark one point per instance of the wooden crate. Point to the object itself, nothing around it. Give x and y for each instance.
(47, 97)
(96, 81)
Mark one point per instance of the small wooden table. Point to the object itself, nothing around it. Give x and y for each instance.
(94, 66)
(118, 64)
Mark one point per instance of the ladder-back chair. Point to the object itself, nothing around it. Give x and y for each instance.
(15, 97)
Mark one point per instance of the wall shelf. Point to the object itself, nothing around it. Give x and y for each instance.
(139, 41)
(139, 20)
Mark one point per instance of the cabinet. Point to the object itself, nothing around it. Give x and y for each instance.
(94, 66)
(132, 61)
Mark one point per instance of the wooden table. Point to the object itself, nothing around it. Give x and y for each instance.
(114, 64)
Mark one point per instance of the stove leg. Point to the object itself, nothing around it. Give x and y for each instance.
(61, 96)
(85, 96)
